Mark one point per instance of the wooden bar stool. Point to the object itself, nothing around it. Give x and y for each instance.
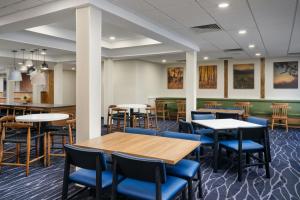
(151, 117)
(280, 114)
(109, 116)
(162, 110)
(181, 110)
(212, 104)
(65, 131)
(244, 106)
(119, 115)
(23, 135)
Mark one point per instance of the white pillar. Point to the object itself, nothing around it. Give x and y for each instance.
(88, 74)
(58, 83)
(108, 86)
(191, 83)
(10, 85)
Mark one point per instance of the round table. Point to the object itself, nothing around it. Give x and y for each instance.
(132, 107)
(43, 118)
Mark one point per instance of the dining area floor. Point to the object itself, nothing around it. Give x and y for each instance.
(46, 183)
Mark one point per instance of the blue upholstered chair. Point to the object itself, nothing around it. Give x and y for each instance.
(141, 131)
(186, 169)
(144, 179)
(258, 120)
(186, 127)
(93, 171)
(250, 141)
(200, 116)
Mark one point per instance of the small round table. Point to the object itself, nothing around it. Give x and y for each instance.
(132, 107)
(43, 118)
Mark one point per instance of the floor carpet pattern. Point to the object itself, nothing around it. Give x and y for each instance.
(284, 184)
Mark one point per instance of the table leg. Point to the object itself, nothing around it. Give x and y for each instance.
(216, 151)
(42, 129)
(131, 117)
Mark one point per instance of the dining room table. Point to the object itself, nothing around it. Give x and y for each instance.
(218, 125)
(168, 150)
(131, 108)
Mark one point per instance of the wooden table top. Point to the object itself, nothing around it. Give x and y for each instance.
(169, 150)
(220, 110)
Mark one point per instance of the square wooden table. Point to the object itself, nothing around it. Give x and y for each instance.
(169, 150)
(223, 124)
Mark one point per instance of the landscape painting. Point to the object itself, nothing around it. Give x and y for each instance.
(285, 75)
(175, 78)
(243, 76)
(208, 77)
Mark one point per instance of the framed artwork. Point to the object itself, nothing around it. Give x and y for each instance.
(285, 75)
(208, 77)
(243, 76)
(175, 78)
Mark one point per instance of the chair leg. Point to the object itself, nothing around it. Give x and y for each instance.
(272, 125)
(190, 189)
(183, 194)
(18, 152)
(247, 158)
(200, 192)
(260, 156)
(63, 143)
(286, 125)
(240, 169)
(267, 164)
(49, 149)
(45, 150)
(28, 149)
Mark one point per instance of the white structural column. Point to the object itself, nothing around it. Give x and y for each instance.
(9, 88)
(108, 86)
(36, 93)
(88, 74)
(191, 83)
(58, 84)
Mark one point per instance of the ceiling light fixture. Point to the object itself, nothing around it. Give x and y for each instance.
(242, 32)
(164, 61)
(44, 65)
(258, 54)
(205, 58)
(73, 68)
(15, 75)
(23, 67)
(29, 62)
(251, 46)
(112, 37)
(43, 52)
(223, 5)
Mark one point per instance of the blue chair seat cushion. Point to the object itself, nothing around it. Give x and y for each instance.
(204, 131)
(183, 169)
(87, 177)
(137, 189)
(247, 145)
(206, 140)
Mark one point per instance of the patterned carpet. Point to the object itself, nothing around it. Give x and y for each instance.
(46, 183)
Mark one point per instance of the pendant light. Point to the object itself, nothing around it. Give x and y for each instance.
(44, 65)
(30, 68)
(15, 75)
(29, 62)
(23, 67)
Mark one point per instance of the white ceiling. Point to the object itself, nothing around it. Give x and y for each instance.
(272, 25)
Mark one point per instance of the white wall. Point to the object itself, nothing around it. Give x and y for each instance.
(69, 87)
(284, 94)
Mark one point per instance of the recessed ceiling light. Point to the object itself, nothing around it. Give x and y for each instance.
(251, 46)
(20, 63)
(205, 58)
(164, 60)
(242, 32)
(223, 5)
(112, 37)
(258, 54)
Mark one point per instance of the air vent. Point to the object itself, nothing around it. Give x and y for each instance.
(233, 50)
(225, 58)
(206, 28)
(181, 61)
(294, 54)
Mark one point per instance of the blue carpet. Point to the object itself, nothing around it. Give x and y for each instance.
(46, 183)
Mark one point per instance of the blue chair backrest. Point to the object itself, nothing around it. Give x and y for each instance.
(185, 127)
(258, 120)
(227, 116)
(143, 169)
(84, 157)
(258, 134)
(178, 135)
(203, 116)
(141, 131)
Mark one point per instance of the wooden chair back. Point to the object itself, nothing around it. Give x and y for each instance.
(181, 105)
(160, 106)
(211, 104)
(244, 106)
(280, 110)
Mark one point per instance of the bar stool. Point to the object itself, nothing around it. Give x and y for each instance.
(162, 110)
(118, 114)
(181, 110)
(33, 110)
(244, 106)
(18, 110)
(109, 116)
(212, 104)
(65, 131)
(151, 117)
(280, 114)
